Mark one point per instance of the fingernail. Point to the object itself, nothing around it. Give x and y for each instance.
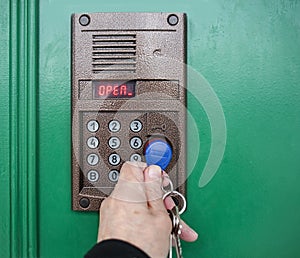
(154, 172)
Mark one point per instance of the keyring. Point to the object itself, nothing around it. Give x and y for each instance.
(174, 194)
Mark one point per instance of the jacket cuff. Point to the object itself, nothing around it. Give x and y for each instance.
(114, 248)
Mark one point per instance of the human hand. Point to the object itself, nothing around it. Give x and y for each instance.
(136, 213)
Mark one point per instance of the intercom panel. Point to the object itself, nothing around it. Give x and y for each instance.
(128, 99)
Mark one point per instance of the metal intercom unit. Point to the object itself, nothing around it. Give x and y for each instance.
(128, 99)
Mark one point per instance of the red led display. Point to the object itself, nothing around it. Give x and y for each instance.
(114, 89)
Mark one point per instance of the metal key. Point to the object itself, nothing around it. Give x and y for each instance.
(175, 219)
(176, 231)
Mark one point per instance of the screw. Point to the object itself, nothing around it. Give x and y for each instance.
(84, 20)
(173, 19)
(84, 202)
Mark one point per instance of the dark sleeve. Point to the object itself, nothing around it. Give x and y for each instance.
(113, 248)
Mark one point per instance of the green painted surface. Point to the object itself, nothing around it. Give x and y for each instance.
(4, 135)
(249, 52)
(18, 63)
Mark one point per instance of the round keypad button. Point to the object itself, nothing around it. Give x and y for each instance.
(114, 142)
(92, 142)
(93, 176)
(114, 159)
(136, 142)
(114, 126)
(93, 159)
(136, 157)
(113, 175)
(136, 126)
(92, 126)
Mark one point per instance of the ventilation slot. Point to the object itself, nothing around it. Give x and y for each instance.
(114, 53)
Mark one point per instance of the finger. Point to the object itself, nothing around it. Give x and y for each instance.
(187, 233)
(132, 171)
(169, 203)
(130, 186)
(166, 179)
(153, 184)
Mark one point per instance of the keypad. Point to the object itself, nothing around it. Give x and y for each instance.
(110, 141)
(107, 139)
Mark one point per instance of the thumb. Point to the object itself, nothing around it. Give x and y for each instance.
(153, 184)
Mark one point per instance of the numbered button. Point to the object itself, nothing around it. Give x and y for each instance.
(114, 126)
(93, 159)
(113, 175)
(114, 159)
(92, 126)
(92, 142)
(136, 126)
(136, 142)
(93, 176)
(114, 142)
(136, 157)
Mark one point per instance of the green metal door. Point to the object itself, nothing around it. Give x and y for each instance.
(249, 54)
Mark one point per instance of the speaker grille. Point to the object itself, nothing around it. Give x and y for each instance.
(114, 53)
